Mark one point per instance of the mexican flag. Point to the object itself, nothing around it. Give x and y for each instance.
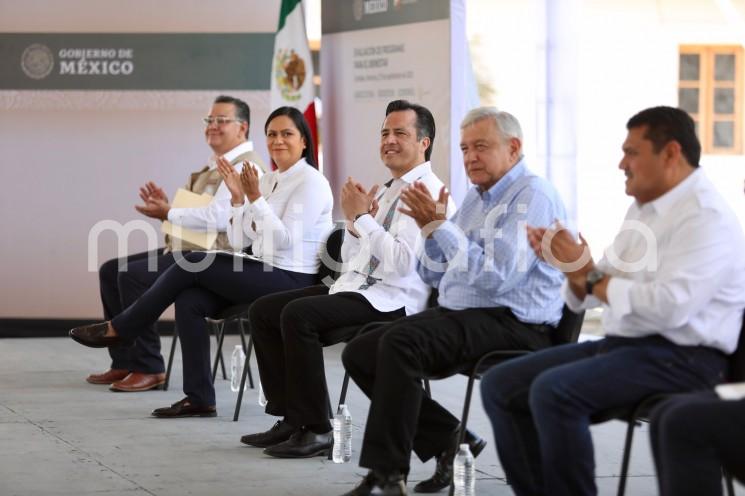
(292, 67)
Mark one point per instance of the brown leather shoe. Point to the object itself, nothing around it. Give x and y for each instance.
(111, 375)
(137, 381)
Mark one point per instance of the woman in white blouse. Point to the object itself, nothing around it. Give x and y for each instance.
(284, 217)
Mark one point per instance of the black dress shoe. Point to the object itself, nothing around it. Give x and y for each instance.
(377, 483)
(443, 475)
(185, 408)
(303, 443)
(281, 431)
(93, 336)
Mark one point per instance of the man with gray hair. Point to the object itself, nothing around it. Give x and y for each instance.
(494, 293)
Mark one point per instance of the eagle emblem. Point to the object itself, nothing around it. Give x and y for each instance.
(290, 73)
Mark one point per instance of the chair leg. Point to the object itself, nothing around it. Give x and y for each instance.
(728, 482)
(170, 357)
(466, 410)
(243, 335)
(632, 422)
(342, 399)
(427, 390)
(344, 387)
(330, 454)
(220, 337)
(247, 367)
(463, 419)
(239, 400)
(219, 352)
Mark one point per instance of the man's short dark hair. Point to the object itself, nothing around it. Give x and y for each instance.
(242, 110)
(666, 124)
(425, 122)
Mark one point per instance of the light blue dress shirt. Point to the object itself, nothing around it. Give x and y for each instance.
(481, 256)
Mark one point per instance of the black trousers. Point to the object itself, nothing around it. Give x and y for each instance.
(289, 330)
(202, 286)
(693, 436)
(389, 363)
(121, 288)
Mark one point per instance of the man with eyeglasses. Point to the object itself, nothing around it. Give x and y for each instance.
(123, 280)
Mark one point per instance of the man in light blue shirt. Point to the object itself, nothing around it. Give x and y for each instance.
(494, 293)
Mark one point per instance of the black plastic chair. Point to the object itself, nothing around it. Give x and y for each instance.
(634, 415)
(327, 274)
(567, 331)
(431, 302)
(235, 313)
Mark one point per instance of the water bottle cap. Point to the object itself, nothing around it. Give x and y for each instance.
(464, 446)
(238, 346)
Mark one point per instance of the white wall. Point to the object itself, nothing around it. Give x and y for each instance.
(71, 159)
(629, 61)
(510, 38)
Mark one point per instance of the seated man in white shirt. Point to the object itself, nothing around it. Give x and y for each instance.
(123, 280)
(379, 283)
(672, 289)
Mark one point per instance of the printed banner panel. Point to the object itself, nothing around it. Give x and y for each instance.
(354, 15)
(362, 71)
(135, 61)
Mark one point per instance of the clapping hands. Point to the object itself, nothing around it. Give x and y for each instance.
(419, 205)
(155, 202)
(355, 200)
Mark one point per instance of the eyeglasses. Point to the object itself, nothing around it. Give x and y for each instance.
(220, 121)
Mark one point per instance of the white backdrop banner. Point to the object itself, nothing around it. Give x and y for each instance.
(375, 51)
(109, 95)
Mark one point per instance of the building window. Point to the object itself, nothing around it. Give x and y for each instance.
(710, 89)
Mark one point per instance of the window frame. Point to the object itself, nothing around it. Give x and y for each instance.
(706, 84)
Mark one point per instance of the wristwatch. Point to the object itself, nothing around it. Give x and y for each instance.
(593, 277)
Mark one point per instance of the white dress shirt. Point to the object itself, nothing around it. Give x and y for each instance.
(677, 269)
(397, 282)
(215, 215)
(288, 224)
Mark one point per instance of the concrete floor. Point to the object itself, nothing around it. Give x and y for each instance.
(62, 436)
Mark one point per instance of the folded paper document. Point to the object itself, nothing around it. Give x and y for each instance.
(187, 199)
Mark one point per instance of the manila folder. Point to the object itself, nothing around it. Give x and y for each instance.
(186, 199)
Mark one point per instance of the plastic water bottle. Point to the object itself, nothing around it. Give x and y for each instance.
(237, 359)
(464, 476)
(262, 398)
(342, 451)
